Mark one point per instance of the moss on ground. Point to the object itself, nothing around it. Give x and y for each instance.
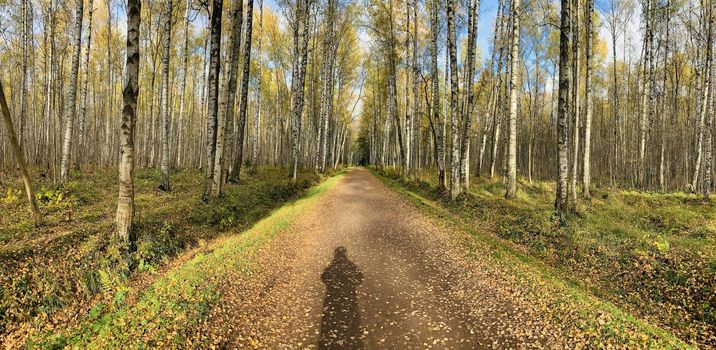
(652, 255)
(166, 314)
(73, 267)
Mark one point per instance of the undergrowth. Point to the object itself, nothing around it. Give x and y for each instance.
(653, 254)
(167, 313)
(52, 275)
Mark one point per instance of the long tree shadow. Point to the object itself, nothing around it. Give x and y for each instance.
(340, 324)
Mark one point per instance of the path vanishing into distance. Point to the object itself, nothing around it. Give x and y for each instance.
(366, 269)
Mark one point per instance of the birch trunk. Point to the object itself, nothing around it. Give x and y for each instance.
(469, 73)
(496, 117)
(125, 201)
(81, 140)
(416, 100)
(454, 128)
(165, 185)
(17, 151)
(243, 104)
(440, 135)
(615, 106)
(408, 71)
(704, 110)
(393, 88)
(576, 105)
(646, 88)
(226, 107)
(708, 130)
(326, 87)
(514, 91)
(24, 79)
(71, 96)
(560, 203)
(259, 78)
(586, 170)
(662, 147)
(110, 81)
(213, 95)
(300, 49)
(180, 132)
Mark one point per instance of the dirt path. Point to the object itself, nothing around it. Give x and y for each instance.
(365, 269)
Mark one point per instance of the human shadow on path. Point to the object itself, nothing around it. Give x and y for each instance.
(340, 324)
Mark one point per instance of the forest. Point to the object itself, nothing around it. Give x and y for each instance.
(349, 174)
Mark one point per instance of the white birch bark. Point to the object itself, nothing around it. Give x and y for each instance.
(71, 96)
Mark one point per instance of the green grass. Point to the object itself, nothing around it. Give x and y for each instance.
(649, 254)
(51, 274)
(169, 310)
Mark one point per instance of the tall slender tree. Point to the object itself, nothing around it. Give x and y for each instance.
(588, 103)
(125, 201)
(244, 102)
(257, 98)
(19, 158)
(496, 116)
(212, 95)
(576, 104)
(25, 37)
(435, 77)
(166, 53)
(514, 91)
(300, 57)
(82, 139)
(416, 99)
(708, 125)
(71, 96)
(646, 90)
(560, 203)
(326, 85)
(226, 107)
(454, 118)
(473, 10)
(182, 94)
(393, 83)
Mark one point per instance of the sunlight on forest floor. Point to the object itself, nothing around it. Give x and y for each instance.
(56, 274)
(653, 254)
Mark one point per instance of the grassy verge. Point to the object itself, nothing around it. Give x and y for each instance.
(71, 268)
(166, 314)
(577, 305)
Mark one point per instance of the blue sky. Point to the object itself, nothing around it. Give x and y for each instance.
(488, 11)
(486, 22)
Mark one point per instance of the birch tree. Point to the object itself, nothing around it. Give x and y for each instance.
(165, 185)
(415, 163)
(212, 95)
(560, 203)
(586, 170)
(182, 95)
(473, 10)
(259, 78)
(300, 50)
(125, 201)
(576, 105)
(393, 85)
(243, 104)
(708, 125)
(329, 50)
(82, 139)
(226, 107)
(454, 128)
(646, 90)
(19, 158)
(439, 134)
(71, 95)
(514, 91)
